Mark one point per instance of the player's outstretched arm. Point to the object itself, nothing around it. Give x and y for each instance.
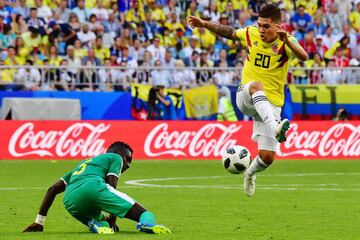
(55, 189)
(295, 47)
(221, 30)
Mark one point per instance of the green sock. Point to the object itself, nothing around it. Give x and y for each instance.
(147, 217)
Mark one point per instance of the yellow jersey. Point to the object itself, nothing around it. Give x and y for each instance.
(266, 62)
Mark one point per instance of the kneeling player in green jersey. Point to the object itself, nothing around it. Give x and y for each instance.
(90, 189)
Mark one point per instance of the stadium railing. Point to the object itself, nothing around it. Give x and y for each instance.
(102, 78)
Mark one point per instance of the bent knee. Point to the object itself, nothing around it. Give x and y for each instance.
(267, 156)
(255, 86)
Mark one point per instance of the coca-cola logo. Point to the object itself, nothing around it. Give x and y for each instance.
(79, 139)
(211, 139)
(341, 139)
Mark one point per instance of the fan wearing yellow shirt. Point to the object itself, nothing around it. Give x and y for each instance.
(261, 94)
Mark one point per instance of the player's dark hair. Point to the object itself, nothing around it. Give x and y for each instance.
(119, 146)
(270, 11)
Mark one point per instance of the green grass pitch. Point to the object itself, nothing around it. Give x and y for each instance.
(199, 200)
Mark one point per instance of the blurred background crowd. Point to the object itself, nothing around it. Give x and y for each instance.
(74, 43)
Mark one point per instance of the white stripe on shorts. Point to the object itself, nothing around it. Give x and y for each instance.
(120, 194)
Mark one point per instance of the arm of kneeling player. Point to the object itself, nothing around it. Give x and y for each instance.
(38, 224)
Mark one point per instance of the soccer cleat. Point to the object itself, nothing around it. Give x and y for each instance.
(97, 227)
(283, 126)
(249, 185)
(152, 228)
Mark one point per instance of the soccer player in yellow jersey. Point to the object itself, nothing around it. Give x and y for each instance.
(261, 94)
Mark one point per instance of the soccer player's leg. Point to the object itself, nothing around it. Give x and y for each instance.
(123, 206)
(267, 146)
(79, 203)
(266, 111)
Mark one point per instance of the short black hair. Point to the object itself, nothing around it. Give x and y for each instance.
(270, 11)
(119, 146)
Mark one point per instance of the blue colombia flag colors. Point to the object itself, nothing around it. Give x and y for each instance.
(139, 106)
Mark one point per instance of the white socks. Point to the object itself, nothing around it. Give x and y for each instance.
(264, 110)
(257, 165)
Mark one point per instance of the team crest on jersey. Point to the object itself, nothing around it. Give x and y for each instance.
(274, 48)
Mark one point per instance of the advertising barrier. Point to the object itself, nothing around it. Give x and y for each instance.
(188, 140)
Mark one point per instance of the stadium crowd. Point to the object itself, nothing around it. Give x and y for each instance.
(149, 38)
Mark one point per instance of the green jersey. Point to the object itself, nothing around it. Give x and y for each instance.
(95, 168)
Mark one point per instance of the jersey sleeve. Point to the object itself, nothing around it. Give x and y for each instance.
(289, 53)
(66, 177)
(241, 34)
(115, 165)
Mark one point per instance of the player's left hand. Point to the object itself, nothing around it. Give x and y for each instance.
(112, 224)
(282, 33)
(34, 227)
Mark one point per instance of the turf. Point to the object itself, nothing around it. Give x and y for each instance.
(199, 200)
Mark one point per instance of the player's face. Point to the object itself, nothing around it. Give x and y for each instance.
(267, 29)
(127, 158)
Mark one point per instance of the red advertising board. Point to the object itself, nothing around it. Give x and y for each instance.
(170, 139)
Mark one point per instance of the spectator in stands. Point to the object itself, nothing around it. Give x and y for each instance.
(48, 77)
(74, 22)
(32, 38)
(318, 27)
(157, 51)
(5, 12)
(320, 46)
(54, 58)
(315, 62)
(223, 76)
(101, 52)
(238, 72)
(300, 21)
(112, 25)
(86, 36)
(100, 11)
(150, 27)
(330, 75)
(66, 80)
(354, 17)
(299, 75)
(33, 21)
(335, 19)
(7, 38)
(94, 61)
(29, 77)
(222, 59)
(94, 25)
(352, 76)
(130, 63)
(193, 60)
(63, 32)
(12, 59)
(21, 50)
(343, 44)
(139, 34)
(6, 78)
(244, 21)
(136, 14)
(79, 52)
(161, 76)
(108, 76)
(308, 42)
(124, 80)
(21, 9)
(19, 25)
(183, 78)
(254, 8)
(341, 115)
(206, 38)
(43, 11)
(160, 106)
(205, 58)
(143, 75)
(193, 46)
(87, 78)
(169, 61)
(73, 61)
(339, 58)
(329, 39)
(81, 12)
(126, 38)
(115, 49)
(136, 52)
(64, 11)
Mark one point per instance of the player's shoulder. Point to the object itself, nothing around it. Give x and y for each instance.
(110, 156)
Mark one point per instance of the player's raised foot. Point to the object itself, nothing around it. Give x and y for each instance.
(283, 127)
(152, 228)
(249, 185)
(97, 227)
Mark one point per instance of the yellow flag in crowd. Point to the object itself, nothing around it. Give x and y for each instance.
(201, 102)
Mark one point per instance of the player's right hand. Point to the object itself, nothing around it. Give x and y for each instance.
(34, 227)
(195, 22)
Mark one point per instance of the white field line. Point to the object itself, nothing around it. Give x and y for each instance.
(141, 183)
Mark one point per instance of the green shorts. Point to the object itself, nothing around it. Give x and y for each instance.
(85, 200)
